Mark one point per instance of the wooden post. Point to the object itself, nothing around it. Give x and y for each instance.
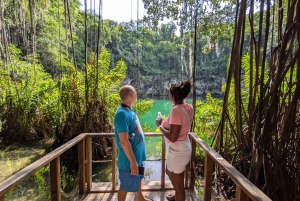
(113, 163)
(88, 154)
(240, 195)
(55, 179)
(163, 162)
(2, 198)
(192, 172)
(81, 166)
(208, 168)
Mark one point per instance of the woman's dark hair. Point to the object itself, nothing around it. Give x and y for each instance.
(180, 91)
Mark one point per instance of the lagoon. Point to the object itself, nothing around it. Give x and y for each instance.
(163, 106)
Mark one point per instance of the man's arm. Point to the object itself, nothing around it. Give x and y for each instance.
(129, 153)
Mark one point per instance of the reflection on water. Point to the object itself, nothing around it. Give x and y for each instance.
(102, 171)
(153, 171)
(15, 157)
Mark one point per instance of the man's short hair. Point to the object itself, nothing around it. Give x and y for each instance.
(125, 91)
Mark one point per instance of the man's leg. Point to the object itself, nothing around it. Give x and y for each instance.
(140, 196)
(122, 195)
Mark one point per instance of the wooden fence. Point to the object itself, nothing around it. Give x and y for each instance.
(245, 190)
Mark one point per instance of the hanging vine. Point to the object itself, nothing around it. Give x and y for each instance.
(265, 139)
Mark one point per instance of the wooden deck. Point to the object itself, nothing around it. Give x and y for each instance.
(155, 192)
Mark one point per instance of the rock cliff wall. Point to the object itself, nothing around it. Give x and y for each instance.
(157, 88)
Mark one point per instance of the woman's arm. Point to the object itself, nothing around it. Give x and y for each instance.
(171, 134)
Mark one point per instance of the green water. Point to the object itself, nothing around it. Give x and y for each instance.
(163, 106)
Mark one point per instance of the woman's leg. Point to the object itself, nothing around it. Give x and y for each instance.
(177, 156)
(177, 181)
(170, 197)
(169, 174)
(178, 184)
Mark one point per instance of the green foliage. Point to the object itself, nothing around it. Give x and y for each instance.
(48, 103)
(143, 106)
(90, 100)
(207, 117)
(110, 80)
(289, 85)
(34, 188)
(28, 99)
(72, 91)
(146, 128)
(208, 113)
(40, 179)
(246, 81)
(68, 180)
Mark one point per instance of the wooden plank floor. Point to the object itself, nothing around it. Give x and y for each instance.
(160, 195)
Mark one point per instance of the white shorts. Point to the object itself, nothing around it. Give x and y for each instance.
(178, 155)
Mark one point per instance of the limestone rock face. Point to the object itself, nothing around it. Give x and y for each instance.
(158, 88)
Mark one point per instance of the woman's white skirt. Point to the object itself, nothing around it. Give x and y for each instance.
(178, 155)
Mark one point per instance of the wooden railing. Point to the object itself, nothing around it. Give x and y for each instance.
(245, 189)
(54, 159)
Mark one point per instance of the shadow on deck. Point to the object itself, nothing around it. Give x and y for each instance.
(155, 192)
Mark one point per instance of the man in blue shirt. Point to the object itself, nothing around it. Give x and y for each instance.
(130, 141)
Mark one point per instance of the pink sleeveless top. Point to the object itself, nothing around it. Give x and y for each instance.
(181, 114)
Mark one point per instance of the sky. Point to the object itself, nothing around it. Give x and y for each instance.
(118, 10)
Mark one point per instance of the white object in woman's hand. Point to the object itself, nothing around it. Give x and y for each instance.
(159, 119)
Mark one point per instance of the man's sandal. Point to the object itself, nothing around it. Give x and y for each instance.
(171, 197)
(152, 199)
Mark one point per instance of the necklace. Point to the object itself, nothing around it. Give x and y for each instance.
(124, 105)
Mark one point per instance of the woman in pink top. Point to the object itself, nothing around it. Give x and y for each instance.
(175, 129)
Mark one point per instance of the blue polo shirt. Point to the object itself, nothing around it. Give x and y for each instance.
(126, 120)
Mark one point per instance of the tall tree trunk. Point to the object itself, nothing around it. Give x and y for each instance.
(182, 49)
(194, 64)
(86, 64)
(266, 139)
(33, 32)
(71, 33)
(191, 55)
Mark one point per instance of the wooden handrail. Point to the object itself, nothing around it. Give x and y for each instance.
(244, 190)
(243, 184)
(23, 174)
